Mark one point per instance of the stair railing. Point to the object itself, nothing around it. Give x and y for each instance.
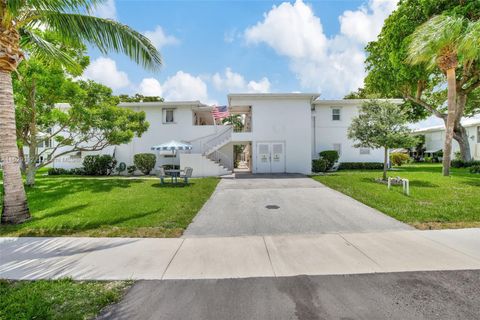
(209, 145)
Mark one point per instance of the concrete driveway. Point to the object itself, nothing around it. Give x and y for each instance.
(284, 204)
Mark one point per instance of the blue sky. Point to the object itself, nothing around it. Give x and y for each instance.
(211, 48)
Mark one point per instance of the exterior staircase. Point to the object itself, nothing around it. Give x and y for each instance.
(209, 148)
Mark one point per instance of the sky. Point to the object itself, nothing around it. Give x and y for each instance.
(212, 48)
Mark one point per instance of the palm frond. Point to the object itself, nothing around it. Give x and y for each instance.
(469, 46)
(62, 5)
(105, 34)
(37, 46)
(434, 35)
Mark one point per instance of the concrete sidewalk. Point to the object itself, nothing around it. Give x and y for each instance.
(239, 257)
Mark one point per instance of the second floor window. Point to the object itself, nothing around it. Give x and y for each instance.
(336, 114)
(168, 115)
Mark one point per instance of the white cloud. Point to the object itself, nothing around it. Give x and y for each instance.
(150, 87)
(334, 66)
(184, 86)
(365, 23)
(235, 82)
(105, 71)
(106, 10)
(159, 38)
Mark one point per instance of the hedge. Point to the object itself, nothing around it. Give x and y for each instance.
(145, 162)
(464, 164)
(360, 166)
(319, 165)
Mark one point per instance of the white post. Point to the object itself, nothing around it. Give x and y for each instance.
(389, 185)
(406, 186)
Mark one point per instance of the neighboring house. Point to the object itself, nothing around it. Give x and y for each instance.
(282, 132)
(435, 137)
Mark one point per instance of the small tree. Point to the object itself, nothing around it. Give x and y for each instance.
(145, 162)
(381, 124)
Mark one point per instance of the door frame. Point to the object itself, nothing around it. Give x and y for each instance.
(270, 142)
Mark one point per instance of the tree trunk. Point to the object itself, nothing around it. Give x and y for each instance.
(31, 165)
(15, 208)
(452, 93)
(460, 134)
(385, 164)
(33, 147)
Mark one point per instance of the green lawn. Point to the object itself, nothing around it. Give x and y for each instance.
(110, 207)
(435, 201)
(57, 299)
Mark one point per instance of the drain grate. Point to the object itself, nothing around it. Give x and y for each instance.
(272, 206)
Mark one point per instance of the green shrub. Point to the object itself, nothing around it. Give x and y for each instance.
(397, 158)
(428, 159)
(331, 156)
(77, 171)
(131, 169)
(145, 162)
(458, 155)
(99, 165)
(464, 164)
(475, 169)
(319, 165)
(57, 171)
(360, 166)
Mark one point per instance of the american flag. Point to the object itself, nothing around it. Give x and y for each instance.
(220, 112)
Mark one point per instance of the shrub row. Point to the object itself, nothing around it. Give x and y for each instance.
(464, 164)
(360, 165)
(61, 171)
(475, 169)
(99, 165)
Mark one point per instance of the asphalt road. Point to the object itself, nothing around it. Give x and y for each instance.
(284, 204)
(414, 295)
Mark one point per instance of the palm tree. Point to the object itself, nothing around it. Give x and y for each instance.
(20, 23)
(446, 42)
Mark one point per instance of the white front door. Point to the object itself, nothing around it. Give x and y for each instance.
(270, 157)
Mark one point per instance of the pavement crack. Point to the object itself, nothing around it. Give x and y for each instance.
(269, 258)
(360, 250)
(173, 257)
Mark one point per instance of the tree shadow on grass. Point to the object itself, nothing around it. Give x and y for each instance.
(65, 229)
(173, 185)
(472, 182)
(423, 184)
(49, 191)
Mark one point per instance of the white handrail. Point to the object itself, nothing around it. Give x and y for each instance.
(223, 136)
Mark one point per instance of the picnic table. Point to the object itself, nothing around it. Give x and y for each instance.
(174, 174)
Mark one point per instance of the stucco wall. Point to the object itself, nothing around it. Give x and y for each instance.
(282, 120)
(434, 140)
(329, 132)
(181, 130)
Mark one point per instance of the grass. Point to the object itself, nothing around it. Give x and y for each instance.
(110, 207)
(435, 202)
(57, 299)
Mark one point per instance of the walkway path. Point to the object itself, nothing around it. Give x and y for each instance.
(239, 257)
(283, 204)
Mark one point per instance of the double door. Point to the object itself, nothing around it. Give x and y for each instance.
(270, 157)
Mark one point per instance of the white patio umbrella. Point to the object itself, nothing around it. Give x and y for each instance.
(173, 146)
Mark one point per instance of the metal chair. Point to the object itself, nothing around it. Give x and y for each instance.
(187, 174)
(161, 174)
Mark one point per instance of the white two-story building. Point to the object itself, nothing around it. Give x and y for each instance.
(281, 133)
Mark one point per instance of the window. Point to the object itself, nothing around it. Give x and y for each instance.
(338, 147)
(76, 155)
(364, 151)
(478, 134)
(168, 116)
(336, 114)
